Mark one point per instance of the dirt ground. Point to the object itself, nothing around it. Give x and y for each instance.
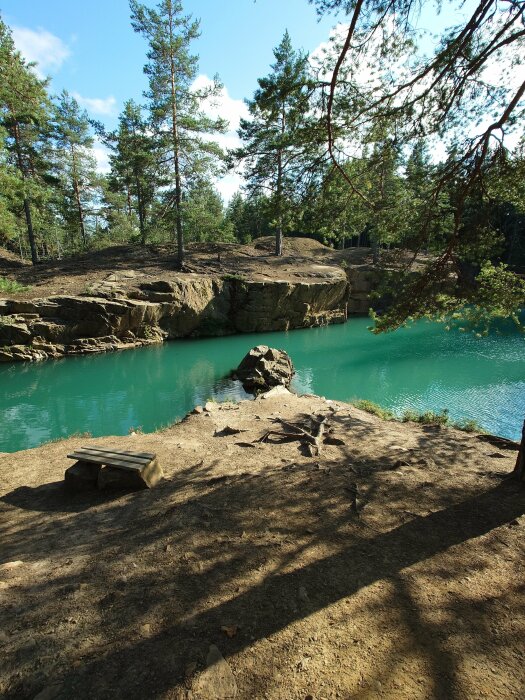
(390, 566)
(303, 258)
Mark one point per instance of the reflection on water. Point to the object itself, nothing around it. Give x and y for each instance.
(421, 368)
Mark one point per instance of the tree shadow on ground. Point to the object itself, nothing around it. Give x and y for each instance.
(54, 497)
(135, 590)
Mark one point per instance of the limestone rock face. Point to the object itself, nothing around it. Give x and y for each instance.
(182, 306)
(263, 368)
(363, 280)
(280, 305)
(14, 333)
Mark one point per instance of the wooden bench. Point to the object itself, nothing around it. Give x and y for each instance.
(102, 467)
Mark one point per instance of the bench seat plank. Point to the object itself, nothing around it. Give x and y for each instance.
(109, 461)
(115, 455)
(129, 456)
(143, 455)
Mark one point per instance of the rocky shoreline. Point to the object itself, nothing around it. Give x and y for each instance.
(122, 311)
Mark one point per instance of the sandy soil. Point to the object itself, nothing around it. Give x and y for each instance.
(303, 258)
(390, 566)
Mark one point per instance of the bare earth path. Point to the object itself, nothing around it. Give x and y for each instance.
(388, 567)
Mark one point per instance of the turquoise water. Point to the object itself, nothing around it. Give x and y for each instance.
(422, 368)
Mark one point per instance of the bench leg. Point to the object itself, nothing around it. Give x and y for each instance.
(82, 476)
(115, 478)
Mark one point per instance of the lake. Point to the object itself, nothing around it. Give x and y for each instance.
(422, 367)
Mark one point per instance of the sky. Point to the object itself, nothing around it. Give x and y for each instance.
(90, 49)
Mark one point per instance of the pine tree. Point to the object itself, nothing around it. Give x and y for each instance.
(181, 128)
(236, 216)
(204, 214)
(25, 118)
(276, 136)
(75, 164)
(132, 162)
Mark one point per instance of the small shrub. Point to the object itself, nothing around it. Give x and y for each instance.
(229, 276)
(149, 332)
(469, 426)
(374, 408)
(343, 264)
(9, 286)
(426, 418)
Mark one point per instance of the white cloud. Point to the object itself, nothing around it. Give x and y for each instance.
(104, 106)
(318, 55)
(46, 49)
(226, 107)
(101, 153)
(228, 185)
(222, 105)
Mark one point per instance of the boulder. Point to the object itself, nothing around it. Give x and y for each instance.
(130, 479)
(82, 476)
(263, 368)
(14, 333)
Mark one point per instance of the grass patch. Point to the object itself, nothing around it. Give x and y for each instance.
(9, 286)
(469, 426)
(374, 408)
(229, 276)
(63, 438)
(426, 418)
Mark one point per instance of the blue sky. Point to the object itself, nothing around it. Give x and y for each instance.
(89, 48)
(98, 56)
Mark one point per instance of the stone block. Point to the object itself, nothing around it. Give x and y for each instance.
(130, 479)
(82, 476)
(14, 333)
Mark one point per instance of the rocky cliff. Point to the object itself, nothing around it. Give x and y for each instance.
(189, 305)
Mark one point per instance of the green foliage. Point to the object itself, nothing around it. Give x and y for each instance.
(75, 168)
(180, 127)
(374, 408)
(469, 426)
(133, 181)
(277, 137)
(25, 115)
(426, 418)
(203, 215)
(8, 286)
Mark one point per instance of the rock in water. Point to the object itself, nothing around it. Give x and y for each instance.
(263, 368)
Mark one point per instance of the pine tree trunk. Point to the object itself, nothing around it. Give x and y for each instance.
(30, 232)
(279, 232)
(178, 215)
(140, 209)
(27, 206)
(80, 212)
(76, 190)
(279, 240)
(519, 469)
(176, 163)
(128, 197)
